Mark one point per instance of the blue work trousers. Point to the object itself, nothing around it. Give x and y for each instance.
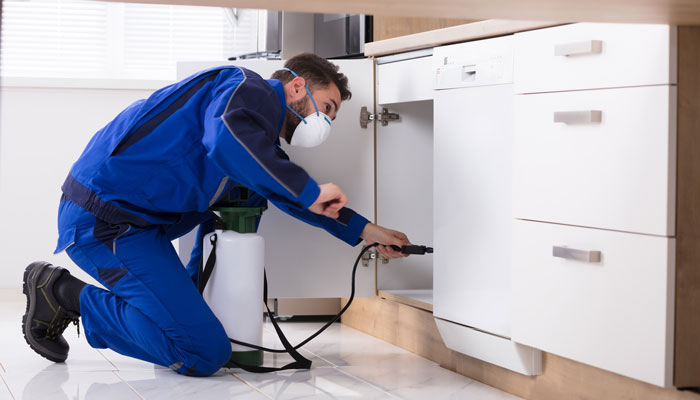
(151, 308)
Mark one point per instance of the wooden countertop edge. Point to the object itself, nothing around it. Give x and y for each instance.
(453, 34)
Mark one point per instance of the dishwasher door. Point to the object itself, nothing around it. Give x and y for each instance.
(473, 131)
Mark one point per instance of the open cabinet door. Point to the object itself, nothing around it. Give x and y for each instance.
(303, 261)
(405, 170)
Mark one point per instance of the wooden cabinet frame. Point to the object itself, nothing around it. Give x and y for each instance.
(687, 349)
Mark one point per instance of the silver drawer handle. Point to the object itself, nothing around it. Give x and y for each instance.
(591, 256)
(578, 117)
(579, 48)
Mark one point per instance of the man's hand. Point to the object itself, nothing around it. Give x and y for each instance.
(329, 201)
(386, 237)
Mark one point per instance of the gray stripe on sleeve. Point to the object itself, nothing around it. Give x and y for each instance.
(222, 185)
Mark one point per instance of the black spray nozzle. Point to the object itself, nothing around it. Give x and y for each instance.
(413, 249)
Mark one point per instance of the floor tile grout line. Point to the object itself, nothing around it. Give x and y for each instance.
(8, 387)
(128, 384)
(321, 358)
(108, 360)
(370, 384)
(249, 385)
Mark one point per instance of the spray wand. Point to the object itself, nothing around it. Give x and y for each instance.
(413, 249)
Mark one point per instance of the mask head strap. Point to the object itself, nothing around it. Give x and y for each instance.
(307, 91)
(297, 114)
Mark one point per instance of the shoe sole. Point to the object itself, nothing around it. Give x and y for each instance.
(29, 289)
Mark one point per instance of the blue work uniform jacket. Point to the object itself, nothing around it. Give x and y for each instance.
(168, 158)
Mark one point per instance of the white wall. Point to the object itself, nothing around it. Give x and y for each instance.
(43, 130)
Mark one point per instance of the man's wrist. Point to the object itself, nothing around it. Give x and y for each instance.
(365, 231)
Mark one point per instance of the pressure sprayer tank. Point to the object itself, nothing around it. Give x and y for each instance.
(234, 291)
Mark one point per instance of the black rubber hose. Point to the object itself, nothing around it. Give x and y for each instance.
(329, 323)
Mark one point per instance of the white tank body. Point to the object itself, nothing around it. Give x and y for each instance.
(235, 289)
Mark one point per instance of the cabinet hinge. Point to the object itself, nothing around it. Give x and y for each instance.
(366, 257)
(372, 255)
(384, 117)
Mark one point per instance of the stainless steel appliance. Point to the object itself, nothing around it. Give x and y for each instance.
(341, 35)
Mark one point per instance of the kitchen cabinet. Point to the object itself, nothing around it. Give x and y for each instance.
(595, 196)
(594, 215)
(595, 209)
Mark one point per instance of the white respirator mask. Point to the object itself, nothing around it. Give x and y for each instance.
(312, 130)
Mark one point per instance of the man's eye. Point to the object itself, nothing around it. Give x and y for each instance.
(328, 108)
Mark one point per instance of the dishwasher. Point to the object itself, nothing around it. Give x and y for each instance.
(472, 182)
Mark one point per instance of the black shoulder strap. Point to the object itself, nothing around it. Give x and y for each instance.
(205, 272)
(300, 362)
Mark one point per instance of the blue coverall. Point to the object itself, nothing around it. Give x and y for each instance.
(150, 176)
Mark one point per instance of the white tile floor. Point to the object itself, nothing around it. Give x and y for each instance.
(347, 364)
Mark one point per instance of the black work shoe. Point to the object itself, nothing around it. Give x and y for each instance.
(45, 319)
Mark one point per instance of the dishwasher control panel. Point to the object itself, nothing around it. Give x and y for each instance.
(478, 63)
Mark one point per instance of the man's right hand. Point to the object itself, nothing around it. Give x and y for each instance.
(329, 201)
(385, 237)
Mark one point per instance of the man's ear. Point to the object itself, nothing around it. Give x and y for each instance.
(295, 89)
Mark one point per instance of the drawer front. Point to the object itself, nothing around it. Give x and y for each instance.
(609, 163)
(404, 81)
(615, 314)
(588, 56)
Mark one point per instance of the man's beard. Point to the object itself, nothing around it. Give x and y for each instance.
(291, 120)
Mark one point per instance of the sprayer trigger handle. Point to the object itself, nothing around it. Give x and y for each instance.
(413, 249)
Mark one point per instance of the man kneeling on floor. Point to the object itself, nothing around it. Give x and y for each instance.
(150, 175)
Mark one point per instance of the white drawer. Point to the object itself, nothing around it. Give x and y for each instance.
(404, 81)
(616, 314)
(617, 174)
(629, 55)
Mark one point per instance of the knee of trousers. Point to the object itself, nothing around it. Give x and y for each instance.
(213, 351)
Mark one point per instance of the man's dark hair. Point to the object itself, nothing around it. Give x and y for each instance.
(317, 71)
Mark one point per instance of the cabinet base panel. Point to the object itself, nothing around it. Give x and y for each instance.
(415, 330)
(414, 298)
(303, 306)
(490, 348)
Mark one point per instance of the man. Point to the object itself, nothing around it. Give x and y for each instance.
(150, 176)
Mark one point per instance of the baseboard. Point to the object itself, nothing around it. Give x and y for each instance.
(303, 307)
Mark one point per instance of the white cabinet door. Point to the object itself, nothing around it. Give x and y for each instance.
(303, 261)
(473, 219)
(405, 191)
(615, 313)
